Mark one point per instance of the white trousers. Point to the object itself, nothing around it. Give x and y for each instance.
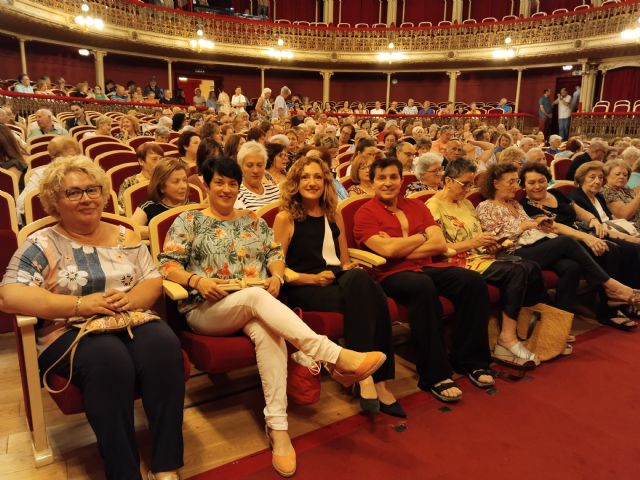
(268, 323)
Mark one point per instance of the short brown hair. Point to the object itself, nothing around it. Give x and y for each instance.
(585, 168)
(147, 148)
(164, 168)
(493, 173)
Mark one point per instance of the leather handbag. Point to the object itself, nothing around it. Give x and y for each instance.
(541, 328)
(98, 324)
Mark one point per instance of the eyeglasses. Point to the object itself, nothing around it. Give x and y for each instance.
(513, 181)
(410, 154)
(439, 171)
(465, 186)
(76, 194)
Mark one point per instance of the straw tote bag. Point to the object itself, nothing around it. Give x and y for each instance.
(542, 329)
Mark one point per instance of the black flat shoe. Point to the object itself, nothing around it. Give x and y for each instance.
(394, 409)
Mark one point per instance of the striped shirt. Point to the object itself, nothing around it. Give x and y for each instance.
(253, 201)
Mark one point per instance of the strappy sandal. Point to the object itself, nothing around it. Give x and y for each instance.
(624, 323)
(516, 355)
(437, 390)
(476, 374)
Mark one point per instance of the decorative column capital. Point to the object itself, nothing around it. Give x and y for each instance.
(452, 74)
(326, 74)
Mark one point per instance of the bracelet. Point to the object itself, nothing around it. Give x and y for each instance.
(189, 280)
(279, 277)
(76, 308)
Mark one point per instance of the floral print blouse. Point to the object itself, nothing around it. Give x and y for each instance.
(224, 249)
(50, 260)
(499, 220)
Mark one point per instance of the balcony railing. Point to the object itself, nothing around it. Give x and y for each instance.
(231, 31)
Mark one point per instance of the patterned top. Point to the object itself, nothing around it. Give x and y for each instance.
(357, 189)
(459, 222)
(416, 187)
(50, 260)
(128, 182)
(498, 219)
(253, 201)
(212, 248)
(624, 195)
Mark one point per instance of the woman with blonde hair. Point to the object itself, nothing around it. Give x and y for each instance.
(263, 105)
(311, 232)
(81, 267)
(129, 128)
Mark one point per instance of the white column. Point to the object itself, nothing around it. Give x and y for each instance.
(99, 66)
(453, 77)
(456, 12)
(604, 74)
(169, 75)
(23, 55)
(262, 69)
(588, 85)
(339, 11)
(525, 8)
(379, 11)
(327, 9)
(274, 9)
(388, 99)
(392, 12)
(517, 100)
(326, 85)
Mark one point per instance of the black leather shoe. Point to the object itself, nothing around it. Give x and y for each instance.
(394, 409)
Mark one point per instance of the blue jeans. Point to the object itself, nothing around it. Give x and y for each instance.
(563, 128)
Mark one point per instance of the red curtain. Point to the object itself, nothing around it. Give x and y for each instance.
(9, 57)
(359, 11)
(622, 84)
(299, 10)
(122, 68)
(58, 61)
(424, 11)
(474, 86)
(300, 83)
(358, 87)
(489, 8)
(551, 5)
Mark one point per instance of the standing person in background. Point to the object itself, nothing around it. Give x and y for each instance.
(575, 99)
(280, 109)
(152, 86)
(564, 112)
(211, 101)
(545, 112)
(198, 99)
(263, 105)
(238, 101)
(263, 8)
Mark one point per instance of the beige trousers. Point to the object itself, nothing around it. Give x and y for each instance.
(268, 323)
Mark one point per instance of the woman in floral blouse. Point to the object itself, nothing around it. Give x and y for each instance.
(209, 252)
(82, 267)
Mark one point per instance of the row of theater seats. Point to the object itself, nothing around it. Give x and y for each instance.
(445, 23)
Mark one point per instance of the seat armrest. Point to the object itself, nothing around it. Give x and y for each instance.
(174, 291)
(365, 258)
(25, 320)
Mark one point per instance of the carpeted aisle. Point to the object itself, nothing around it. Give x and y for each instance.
(575, 418)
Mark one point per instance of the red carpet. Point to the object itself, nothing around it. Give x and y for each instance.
(575, 418)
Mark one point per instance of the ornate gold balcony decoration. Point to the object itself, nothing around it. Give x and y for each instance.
(597, 28)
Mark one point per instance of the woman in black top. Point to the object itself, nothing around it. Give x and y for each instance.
(168, 188)
(619, 258)
(311, 233)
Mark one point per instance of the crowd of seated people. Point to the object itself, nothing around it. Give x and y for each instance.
(241, 165)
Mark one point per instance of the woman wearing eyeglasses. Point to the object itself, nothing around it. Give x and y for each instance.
(81, 267)
(428, 168)
(533, 239)
(520, 283)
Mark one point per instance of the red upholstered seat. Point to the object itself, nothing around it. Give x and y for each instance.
(9, 242)
(113, 159)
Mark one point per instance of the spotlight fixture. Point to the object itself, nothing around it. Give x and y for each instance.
(84, 52)
(200, 42)
(505, 53)
(86, 21)
(567, 68)
(279, 52)
(391, 55)
(631, 33)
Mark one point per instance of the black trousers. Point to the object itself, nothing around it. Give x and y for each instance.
(419, 291)
(367, 325)
(521, 284)
(110, 369)
(569, 260)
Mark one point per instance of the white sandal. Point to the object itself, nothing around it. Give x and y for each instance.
(516, 354)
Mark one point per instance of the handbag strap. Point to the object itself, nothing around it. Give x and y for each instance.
(535, 318)
(71, 351)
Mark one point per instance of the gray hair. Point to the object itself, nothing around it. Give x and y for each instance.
(280, 138)
(631, 154)
(165, 121)
(554, 138)
(424, 161)
(251, 148)
(533, 150)
(45, 111)
(285, 91)
(162, 131)
(103, 119)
